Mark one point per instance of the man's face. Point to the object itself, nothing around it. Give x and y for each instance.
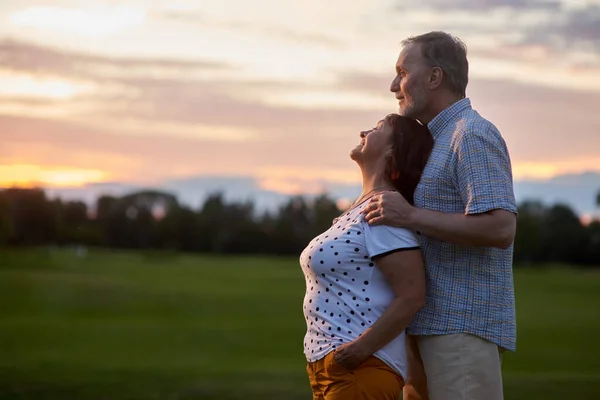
(410, 84)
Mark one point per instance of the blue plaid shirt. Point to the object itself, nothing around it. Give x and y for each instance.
(469, 289)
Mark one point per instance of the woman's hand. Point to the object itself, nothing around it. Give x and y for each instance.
(350, 355)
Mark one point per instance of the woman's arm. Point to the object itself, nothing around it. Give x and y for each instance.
(405, 273)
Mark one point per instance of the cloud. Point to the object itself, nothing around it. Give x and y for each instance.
(158, 126)
(208, 113)
(28, 101)
(539, 123)
(365, 82)
(220, 104)
(31, 58)
(49, 143)
(181, 98)
(88, 21)
(205, 106)
(548, 131)
(562, 27)
(271, 31)
(481, 5)
(573, 27)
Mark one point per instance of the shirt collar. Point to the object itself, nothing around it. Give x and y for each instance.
(437, 124)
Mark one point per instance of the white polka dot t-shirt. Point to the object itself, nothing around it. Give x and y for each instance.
(345, 291)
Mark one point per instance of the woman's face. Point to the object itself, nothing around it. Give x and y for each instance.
(374, 144)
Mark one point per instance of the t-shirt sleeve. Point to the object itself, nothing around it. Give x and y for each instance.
(483, 172)
(382, 240)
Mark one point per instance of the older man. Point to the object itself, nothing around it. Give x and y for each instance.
(465, 214)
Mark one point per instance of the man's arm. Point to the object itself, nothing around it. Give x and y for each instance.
(484, 183)
(495, 228)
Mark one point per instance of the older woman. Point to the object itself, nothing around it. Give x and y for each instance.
(364, 283)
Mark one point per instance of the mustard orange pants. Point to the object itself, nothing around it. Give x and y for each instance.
(372, 380)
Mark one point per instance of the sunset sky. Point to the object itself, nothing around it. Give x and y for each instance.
(147, 91)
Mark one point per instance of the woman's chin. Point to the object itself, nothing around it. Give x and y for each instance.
(356, 153)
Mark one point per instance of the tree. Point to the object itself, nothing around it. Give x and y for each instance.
(32, 219)
(593, 250)
(593, 253)
(107, 219)
(231, 227)
(132, 220)
(105, 206)
(211, 223)
(528, 240)
(325, 210)
(178, 230)
(293, 227)
(6, 228)
(564, 238)
(74, 225)
(155, 220)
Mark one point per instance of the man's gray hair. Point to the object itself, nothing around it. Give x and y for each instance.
(440, 49)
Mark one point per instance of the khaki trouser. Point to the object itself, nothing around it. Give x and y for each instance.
(453, 367)
(372, 380)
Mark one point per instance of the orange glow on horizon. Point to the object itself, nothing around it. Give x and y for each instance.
(28, 175)
(587, 219)
(282, 179)
(548, 170)
(290, 186)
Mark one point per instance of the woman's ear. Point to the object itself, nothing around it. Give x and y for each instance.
(389, 153)
(391, 170)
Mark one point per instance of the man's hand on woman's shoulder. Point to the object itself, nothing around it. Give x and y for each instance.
(389, 208)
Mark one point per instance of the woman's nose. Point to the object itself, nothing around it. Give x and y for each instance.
(363, 134)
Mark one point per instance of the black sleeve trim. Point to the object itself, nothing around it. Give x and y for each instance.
(387, 253)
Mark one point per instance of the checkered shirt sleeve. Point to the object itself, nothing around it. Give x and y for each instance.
(483, 170)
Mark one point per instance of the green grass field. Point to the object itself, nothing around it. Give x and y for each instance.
(162, 326)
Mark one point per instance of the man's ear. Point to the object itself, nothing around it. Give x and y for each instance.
(436, 77)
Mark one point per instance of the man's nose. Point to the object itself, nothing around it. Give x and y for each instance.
(395, 85)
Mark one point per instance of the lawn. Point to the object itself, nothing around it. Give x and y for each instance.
(126, 325)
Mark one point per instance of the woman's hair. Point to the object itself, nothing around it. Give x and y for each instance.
(411, 146)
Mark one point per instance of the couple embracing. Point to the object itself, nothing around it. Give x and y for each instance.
(411, 289)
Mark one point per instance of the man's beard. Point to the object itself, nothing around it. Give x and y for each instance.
(414, 108)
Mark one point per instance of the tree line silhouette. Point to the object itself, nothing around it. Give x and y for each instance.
(156, 220)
